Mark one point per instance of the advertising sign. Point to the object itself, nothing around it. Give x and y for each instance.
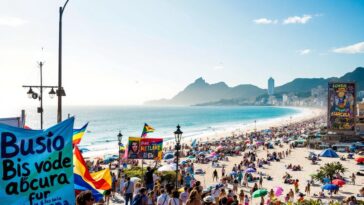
(341, 106)
(145, 148)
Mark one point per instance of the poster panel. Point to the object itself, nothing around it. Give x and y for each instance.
(145, 148)
(36, 165)
(341, 106)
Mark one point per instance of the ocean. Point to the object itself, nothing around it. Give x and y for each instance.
(105, 122)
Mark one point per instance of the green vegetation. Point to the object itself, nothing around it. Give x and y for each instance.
(169, 176)
(329, 170)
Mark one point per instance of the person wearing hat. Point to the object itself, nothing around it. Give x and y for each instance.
(208, 200)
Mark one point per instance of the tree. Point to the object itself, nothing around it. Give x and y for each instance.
(329, 170)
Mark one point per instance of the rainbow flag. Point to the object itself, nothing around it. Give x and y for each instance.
(78, 134)
(147, 129)
(96, 182)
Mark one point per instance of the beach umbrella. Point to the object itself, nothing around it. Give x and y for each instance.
(233, 173)
(202, 153)
(250, 170)
(259, 193)
(278, 191)
(84, 150)
(168, 156)
(166, 168)
(338, 182)
(330, 187)
(134, 179)
(213, 154)
(359, 159)
(191, 157)
(220, 147)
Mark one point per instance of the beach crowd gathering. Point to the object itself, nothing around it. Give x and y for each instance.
(268, 166)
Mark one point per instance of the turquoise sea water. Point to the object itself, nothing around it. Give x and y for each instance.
(105, 122)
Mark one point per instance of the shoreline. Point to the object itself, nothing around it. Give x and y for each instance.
(304, 113)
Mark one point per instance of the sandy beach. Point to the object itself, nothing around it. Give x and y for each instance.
(277, 170)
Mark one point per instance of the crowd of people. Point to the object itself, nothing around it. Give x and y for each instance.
(233, 187)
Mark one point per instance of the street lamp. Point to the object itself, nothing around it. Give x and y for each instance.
(60, 90)
(178, 135)
(120, 137)
(34, 95)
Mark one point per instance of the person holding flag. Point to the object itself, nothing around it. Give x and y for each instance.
(147, 129)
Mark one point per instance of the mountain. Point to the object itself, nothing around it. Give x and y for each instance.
(202, 93)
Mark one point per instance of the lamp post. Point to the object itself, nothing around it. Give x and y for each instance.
(60, 90)
(178, 136)
(120, 137)
(34, 95)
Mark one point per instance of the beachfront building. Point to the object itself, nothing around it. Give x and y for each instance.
(361, 95)
(360, 119)
(285, 99)
(270, 86)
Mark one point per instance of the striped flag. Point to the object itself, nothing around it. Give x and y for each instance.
(78, 134)
(147, 129)
(96, 182)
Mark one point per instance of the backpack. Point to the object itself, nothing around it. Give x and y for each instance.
(137, 200)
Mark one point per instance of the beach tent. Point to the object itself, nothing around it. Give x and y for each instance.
(168, 156)
(329, 153)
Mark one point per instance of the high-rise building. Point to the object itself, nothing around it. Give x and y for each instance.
(270, 86)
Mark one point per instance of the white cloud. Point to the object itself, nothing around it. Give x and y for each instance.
(351, 49)
(11, 21)
(265, 21)
(297, 19)
(304, 51)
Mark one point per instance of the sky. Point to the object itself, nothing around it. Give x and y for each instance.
(118, 52)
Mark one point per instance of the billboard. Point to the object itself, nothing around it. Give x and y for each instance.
(145, 148)
(341, 106)
(37, 165)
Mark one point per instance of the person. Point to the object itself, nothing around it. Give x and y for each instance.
(208, 200)
(188, 179)
(308, 189)
(133, 152)
(223, 171)
(235, 200)
(113, 184)
(215, 175)
(175, 200)
(193, 198)
(163, 198)
(246, 200)
(184, 195)
(151, 200)
(353, 179)
(141, 198)
(148, 177)
(215, 193)
(85, 198)
(241, 196)
(260, 181)
(295, 184)
(128, 191)
(235, 186)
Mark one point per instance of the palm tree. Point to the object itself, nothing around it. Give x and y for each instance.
(329, 170)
